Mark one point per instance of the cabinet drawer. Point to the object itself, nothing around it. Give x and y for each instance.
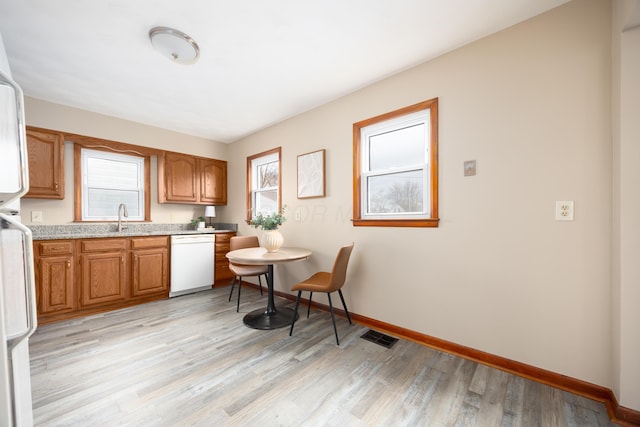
(149, 242)
(55, 248)
(221, 257)
(224, 237)
(102, 245)
(222, 248)
(222, 272)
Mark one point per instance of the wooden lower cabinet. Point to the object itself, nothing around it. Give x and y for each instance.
(149, 265)
(103, 271)
(54, 269)
(103, 278)
(86, 276)
(222, 273)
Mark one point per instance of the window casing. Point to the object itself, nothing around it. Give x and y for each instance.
(108, 179)
(263, 183)
(395, 168)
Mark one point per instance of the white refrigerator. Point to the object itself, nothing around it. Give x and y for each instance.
(17, 289)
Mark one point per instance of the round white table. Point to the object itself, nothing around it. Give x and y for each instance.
(271, 318)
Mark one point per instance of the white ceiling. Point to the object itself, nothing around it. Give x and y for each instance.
(262, 61)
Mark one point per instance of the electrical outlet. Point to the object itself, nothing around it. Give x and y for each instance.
(564, 210)
(297, 215)
(36, 216)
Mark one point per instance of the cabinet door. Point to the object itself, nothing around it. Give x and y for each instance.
(149, 268)
(103, 278)
(180, 178)
(55, 284)
(213, 181)
(46, 164)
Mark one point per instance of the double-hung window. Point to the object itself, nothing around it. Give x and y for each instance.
(109, 179)
(263, 183)
(395, 168)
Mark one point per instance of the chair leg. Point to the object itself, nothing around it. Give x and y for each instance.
(295, 313)
(345, 306)
(233, 284)
(333, 319)
(309, 306)
(260, 281)
(239, 288)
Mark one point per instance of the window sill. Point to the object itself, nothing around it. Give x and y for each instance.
(431, 222)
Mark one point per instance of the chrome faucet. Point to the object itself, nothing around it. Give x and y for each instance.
(122, 210)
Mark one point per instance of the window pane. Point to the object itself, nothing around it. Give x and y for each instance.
(104, 203)
(108, 180)
(398, 148)
(264, 182)
(395, 193)
(268, 175)
(266, 201)
(107, 173)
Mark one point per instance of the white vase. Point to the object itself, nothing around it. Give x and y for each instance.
(272, 240)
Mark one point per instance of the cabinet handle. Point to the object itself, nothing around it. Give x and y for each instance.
(122, 259)
(68, 264)
(56, 185)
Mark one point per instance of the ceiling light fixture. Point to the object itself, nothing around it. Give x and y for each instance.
(174, 44)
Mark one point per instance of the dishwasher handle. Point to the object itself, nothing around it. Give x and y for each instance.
(192, 239)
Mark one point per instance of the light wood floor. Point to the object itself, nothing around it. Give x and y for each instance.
(190, 361)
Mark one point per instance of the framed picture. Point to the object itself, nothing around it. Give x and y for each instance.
(311, 181)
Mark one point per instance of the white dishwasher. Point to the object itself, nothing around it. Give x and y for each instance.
(192, 263)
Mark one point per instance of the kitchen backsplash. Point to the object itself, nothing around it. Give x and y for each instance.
(103, 228)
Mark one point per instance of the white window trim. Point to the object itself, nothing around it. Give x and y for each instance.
(412, 119)
(255, 164)
(87, 153)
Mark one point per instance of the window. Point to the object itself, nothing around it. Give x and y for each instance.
(395, 177)
(263, 183)
(109, 179)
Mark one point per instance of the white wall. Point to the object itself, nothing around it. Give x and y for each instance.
(626, 230)
(53, 116)
(532, 105)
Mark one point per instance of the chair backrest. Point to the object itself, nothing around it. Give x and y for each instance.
(339, 271)
(241, 242)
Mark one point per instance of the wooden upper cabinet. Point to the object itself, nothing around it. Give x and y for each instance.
(213, 181)
(45, 150)
(194, 180)
(180, 178)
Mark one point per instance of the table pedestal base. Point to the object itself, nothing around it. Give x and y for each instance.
(263, 319)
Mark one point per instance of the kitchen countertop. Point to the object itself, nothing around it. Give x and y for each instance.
(87, 231)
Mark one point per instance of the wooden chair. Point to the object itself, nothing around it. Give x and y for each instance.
(241, 270)
(326, 282)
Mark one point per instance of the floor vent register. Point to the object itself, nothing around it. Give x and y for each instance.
(379, 338)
